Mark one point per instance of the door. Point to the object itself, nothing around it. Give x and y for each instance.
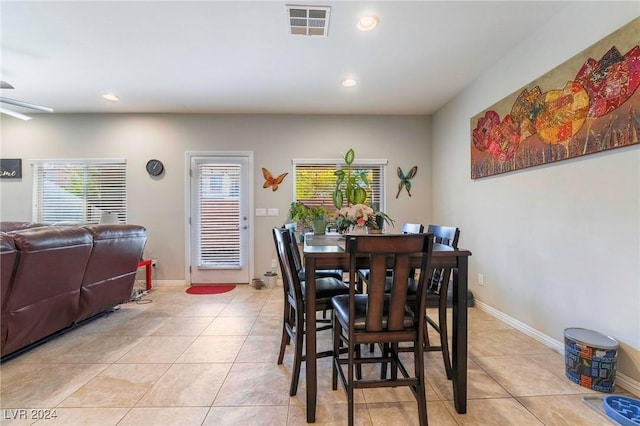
(219, 219)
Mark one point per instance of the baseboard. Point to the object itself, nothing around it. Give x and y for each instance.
(162, 283)
(629, 384)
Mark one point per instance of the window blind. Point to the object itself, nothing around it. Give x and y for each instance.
(79, 191)
(315, 181)
(219, 208)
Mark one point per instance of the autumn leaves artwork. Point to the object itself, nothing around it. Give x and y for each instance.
(583, 106)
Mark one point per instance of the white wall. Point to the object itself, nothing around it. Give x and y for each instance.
(274, 139)
(559, 245)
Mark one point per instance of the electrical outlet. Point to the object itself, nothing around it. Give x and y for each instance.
(481, 280)
(154, 263)
(274, 263)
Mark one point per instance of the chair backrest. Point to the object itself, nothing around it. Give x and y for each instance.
(290, 279)
(379, 249)
(447, 235)
(412, 228)
(297, 259)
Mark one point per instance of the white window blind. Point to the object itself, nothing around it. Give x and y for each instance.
(219, 206)
(315, 181)
(79, 190)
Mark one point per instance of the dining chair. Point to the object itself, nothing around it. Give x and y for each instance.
(437, 295)
(297, 259)
(293, 325)
(382, 317)
(407, 228)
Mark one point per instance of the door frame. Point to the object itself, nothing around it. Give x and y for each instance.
(187, 204)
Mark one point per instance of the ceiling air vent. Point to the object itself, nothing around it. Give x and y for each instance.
(308, 20)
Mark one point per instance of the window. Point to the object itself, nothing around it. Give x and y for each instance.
(315, 181)
(79, 190)
(219, 210)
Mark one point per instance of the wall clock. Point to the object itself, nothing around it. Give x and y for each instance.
(155, 167)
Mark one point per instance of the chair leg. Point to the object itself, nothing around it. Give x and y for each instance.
(421, 395)
(444, 338)
(297, 358)
(284, 341)
(350, 379)
(358, 365)
(383, 366)
(394, 364)
(350, 406)
(426, 333)
(337, 330)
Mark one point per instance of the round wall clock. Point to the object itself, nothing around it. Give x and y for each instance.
(155, 167)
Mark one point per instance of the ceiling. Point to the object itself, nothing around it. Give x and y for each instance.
(238, 57)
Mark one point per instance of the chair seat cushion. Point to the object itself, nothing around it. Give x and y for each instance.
(341, 309)
(322, 273)
(327, 287)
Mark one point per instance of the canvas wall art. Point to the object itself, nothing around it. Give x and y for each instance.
(588, 104)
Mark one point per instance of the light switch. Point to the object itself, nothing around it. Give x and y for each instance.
(261, 212)
(273, 212)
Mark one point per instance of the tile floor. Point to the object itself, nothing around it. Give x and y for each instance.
(183, 359)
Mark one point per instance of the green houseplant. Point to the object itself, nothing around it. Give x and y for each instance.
(314, 216)
(350, 198)
(351, 185)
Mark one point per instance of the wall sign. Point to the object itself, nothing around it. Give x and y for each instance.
(10, 168)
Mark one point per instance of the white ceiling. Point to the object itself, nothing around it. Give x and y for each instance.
(237, 57)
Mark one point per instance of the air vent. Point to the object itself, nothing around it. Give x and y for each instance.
(308, 20)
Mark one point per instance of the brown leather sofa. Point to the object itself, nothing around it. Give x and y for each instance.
(55, 277)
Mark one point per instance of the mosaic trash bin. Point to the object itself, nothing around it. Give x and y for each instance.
(591, 359)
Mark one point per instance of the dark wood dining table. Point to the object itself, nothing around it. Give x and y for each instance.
(327, 252)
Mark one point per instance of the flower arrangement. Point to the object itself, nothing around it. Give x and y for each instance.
(357, 215)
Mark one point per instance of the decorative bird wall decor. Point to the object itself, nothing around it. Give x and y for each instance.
(405, 180)
(270, 181)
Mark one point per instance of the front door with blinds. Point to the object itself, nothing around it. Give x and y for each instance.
(219, 219)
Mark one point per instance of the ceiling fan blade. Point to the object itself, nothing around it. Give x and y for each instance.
(26, 105)
(5, 85)
(14, 114)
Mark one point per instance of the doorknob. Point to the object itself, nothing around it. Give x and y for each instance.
(244, 227)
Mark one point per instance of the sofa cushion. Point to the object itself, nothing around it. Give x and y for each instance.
(45, 294)
(112, 267)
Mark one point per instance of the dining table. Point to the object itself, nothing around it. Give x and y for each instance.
(327, 251)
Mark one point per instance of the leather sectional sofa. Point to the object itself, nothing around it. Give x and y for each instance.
(55, 277)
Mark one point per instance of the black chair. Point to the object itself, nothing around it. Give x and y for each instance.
(297, 259)
(437, 291)
(294, 307)
(381, 317)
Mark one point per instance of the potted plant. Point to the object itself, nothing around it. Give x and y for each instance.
(314, 216)
(350, 196)
(318, 219)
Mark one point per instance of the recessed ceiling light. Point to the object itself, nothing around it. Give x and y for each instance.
(111, 97)
(349, 82)
(367, 22)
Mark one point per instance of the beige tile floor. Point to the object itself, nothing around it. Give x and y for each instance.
(183, 359)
